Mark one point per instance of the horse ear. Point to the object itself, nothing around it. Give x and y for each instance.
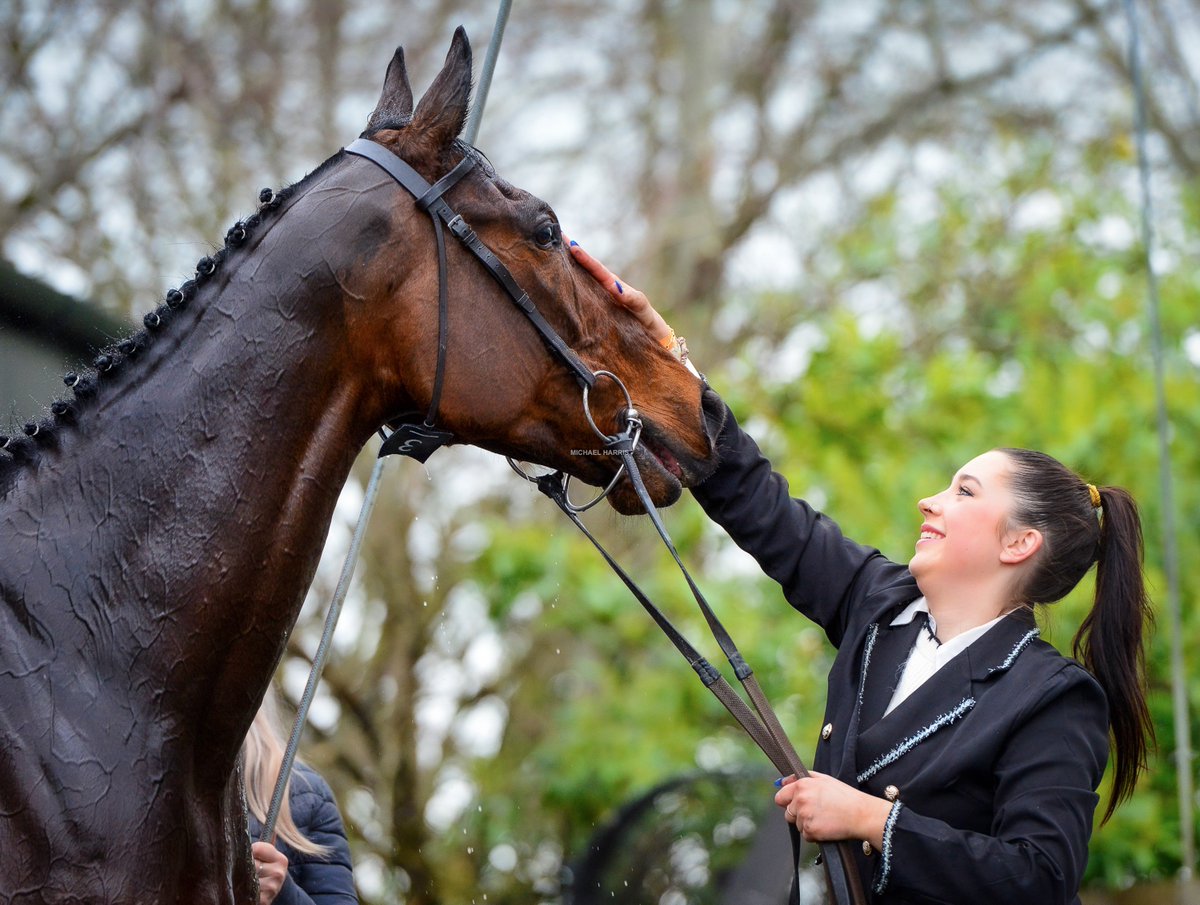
(395, 105)
(442, 112)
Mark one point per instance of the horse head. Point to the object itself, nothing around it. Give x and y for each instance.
(504, 389)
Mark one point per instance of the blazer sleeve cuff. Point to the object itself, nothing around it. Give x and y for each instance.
(883, 873)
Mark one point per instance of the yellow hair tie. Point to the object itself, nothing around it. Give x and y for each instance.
(1095, 495)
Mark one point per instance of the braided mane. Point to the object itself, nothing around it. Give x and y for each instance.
(25, 449)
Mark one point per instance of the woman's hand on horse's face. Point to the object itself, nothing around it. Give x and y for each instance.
(271, 866)
(825, 809)
(633, 300)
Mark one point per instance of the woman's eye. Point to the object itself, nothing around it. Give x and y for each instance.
(963, 491)
(547, 235)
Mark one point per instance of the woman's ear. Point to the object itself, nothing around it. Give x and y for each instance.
(1020, 545)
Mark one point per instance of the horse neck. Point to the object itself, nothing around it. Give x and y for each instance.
(189, 505)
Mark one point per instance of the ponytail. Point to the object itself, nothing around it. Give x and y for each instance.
(1081, 524)
(1109, 642)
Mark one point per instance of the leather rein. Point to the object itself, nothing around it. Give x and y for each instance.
(419, 440)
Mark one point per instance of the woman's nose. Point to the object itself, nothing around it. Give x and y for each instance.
(927, 505)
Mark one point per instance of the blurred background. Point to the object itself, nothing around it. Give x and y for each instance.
(895, 233)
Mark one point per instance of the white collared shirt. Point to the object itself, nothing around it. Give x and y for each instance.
(927, 655)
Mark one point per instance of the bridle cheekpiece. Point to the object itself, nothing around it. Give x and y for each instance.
(420, 439)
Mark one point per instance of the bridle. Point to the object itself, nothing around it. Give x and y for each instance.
(420, 439)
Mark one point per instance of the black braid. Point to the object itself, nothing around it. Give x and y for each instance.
(24, 450)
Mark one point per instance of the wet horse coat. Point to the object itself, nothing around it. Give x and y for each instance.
(160, 529)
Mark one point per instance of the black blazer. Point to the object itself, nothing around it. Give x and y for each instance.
(994, 761)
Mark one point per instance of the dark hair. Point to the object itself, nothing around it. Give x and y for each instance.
(1077, 530)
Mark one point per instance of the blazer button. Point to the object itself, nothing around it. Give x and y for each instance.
(826, 731)
(867, 850)
(891, 793)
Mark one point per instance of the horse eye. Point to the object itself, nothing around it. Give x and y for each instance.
(547, 235)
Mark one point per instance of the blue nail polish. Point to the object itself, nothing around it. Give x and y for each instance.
(779, 783)
(619, 289)
(574, 243)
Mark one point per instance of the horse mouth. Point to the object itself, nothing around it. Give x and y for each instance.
(664, 471)
(665, 458)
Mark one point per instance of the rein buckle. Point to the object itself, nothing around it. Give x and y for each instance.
(458, 226)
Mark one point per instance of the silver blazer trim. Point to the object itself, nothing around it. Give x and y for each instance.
(1016, 651)
(885, 863)
(916, 738)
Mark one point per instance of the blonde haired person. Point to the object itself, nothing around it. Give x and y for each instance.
(309, 861)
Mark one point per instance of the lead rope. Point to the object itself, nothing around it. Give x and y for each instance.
(314, 675)
(764, 728)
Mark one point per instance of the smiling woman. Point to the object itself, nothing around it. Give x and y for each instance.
(959, 749)
(966, 531)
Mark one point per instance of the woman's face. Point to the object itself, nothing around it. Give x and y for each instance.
(964, 529)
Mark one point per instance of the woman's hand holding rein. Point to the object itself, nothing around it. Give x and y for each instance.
(825, 809)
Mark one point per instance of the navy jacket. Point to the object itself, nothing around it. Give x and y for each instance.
(313, 879)
(994, 760)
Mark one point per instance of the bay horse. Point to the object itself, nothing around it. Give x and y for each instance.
(161, 526)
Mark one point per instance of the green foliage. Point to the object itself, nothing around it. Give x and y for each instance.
(989, 333)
